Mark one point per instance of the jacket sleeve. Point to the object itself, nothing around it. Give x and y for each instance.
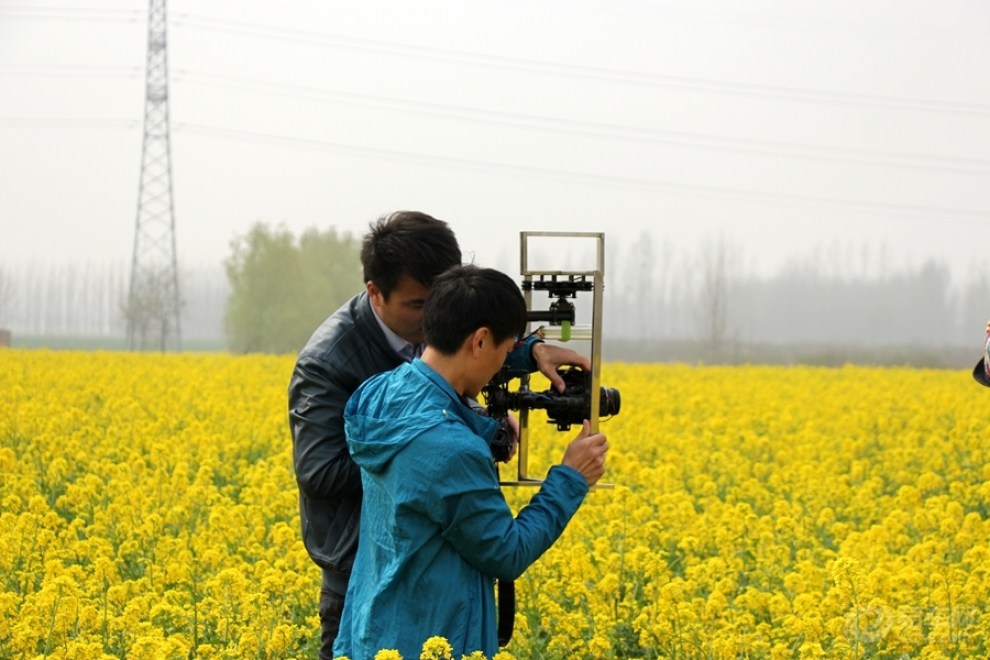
(317, 396)
(520, 361)
(478, 523)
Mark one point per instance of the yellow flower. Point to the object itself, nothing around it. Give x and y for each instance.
(436, 648)
(148, 508)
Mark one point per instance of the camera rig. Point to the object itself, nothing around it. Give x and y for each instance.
(557, 322)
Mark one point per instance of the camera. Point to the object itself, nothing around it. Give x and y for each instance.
(572, 406)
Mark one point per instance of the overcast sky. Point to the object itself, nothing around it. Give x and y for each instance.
(782, 126)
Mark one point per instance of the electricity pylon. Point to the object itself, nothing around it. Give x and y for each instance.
(153, 301)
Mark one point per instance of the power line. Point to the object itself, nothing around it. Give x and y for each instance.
(714, 86)
(71, 122)
(101, 14)
(598, 130)
(702, 85)
(755, 19)
(933, 212)
(607, 131)
(682, 13)
(71, 70)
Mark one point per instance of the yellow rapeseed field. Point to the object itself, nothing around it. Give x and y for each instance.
(148, 510)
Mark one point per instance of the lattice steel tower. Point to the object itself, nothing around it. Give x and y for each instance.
(153, 301)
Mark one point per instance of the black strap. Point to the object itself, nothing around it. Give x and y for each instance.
(506, 610)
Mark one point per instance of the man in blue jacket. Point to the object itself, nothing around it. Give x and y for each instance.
(436, 530)
(375, 331)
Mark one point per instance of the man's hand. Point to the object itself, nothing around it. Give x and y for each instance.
(549, 357)
(586, 454)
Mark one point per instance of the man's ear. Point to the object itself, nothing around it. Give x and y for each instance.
(479, 338)
(374, 292)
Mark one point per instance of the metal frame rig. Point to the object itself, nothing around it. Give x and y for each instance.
(558, 322)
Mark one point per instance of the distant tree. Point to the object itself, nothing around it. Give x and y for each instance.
(6, 293)
(638, 278)
(6, 300)
(150, 309)
(717, 270)
(974, 306)
(928, 289)
(207, 292)
(667, 275)
(281, 288)
(614, 301)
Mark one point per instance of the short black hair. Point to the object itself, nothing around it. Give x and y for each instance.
(407, 243)
(465, 298)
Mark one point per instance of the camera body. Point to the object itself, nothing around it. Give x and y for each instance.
(572, 406)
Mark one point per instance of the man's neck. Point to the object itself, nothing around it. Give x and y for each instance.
(450, 367)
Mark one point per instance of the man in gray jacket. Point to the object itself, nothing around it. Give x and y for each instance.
(375, 331)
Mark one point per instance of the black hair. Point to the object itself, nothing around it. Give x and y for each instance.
(465, 298)
(407, 243)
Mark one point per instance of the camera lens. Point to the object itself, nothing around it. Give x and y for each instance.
(610, 402)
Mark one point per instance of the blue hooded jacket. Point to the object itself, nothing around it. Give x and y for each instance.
(435, 528)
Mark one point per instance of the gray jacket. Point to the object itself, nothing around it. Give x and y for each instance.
(347, 349)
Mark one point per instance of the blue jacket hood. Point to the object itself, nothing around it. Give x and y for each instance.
(390, 410)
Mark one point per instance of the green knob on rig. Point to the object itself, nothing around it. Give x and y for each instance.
(565, 331)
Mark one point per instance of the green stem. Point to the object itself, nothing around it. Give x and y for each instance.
(51, 624)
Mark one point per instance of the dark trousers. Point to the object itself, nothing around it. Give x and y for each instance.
(331, 607)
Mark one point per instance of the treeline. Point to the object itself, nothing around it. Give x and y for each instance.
(268, 295)
(661, 301)
(837, 295)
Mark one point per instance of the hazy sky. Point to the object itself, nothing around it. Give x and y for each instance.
(779, 125)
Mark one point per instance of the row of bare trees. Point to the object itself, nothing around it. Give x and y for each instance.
(90, 299)
(836, 294)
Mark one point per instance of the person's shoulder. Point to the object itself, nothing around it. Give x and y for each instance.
(450, 440)
(451, 460)
(345, 335)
